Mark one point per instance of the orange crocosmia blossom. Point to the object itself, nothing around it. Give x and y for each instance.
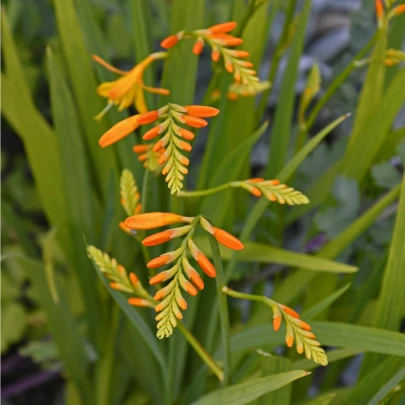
(201, 111)
(153, 220)
(194, 121)
(129, 88)
(290, 311)
(227, 239)
(119, 131)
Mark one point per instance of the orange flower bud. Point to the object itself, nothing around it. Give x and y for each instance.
(289, 340)
(277, 322)
(190, 288)
(194, 121)
(304, 325)
(186, 134)
(198, 47)
(182, 302)
(185, 146)
(232, 41)
(201, 111)
(196, 279)
(152, 133)
(157, 238)
(158, 261)
(398, 10)
(215, 55)
(139, 302)
(237, 53)
(140, 148)
(379, 9)
(229, 67)
(134, 280)
(256, 192)
(159, 295)
(158, 146)
(227, 239)
(232, 96)
(222, 28)
(148, 117)
(169, 42)
(256, 180)
(206, 265)
(289, 311)
(119, 131)
(153, 220)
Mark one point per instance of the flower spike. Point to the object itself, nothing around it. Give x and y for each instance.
(220, 41)
(119, 278)
(170, 143)
(180, 275)
(128, 89)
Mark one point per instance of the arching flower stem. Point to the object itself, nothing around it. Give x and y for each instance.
(204, 355)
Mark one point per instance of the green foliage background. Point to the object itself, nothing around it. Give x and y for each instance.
(355, 304)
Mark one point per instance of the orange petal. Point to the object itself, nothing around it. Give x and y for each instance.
(201, 111)
(256, 180)
(186, 134)
(277, 322)
(152, 220)
(227, 239)
(157, 238)
(139, 302)
(169, 42)
(119, 131)
(222, 28)
(152, 133)
(239, 54)
(140, 148)
(194, 121)
(148, 117)
(159, 278)
(182, 303)
(229, 67)
(158, 261)
(206, 265)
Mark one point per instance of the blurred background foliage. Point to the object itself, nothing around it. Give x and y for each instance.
(41, 264)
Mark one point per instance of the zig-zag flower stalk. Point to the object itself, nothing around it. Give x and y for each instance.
(181, 274)
(171, 137)
(296, 329)
(271, 189)
(119, 278)
(246, 81)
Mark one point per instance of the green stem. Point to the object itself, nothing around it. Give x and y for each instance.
(144, 196)
(223, 309)
(204, 355)
(250, 297)
(203, 193)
